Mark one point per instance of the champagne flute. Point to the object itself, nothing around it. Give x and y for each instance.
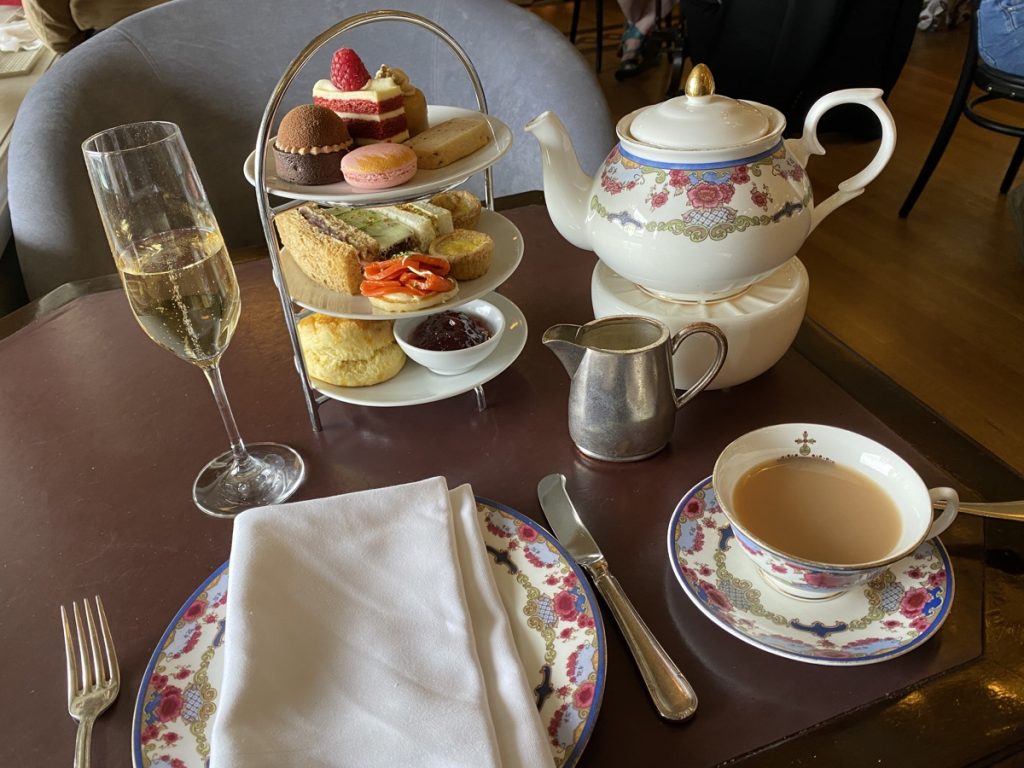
(182, 290)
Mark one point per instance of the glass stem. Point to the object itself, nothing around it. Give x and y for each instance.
(217, 385)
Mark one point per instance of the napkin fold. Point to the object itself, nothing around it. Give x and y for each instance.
(367, 630)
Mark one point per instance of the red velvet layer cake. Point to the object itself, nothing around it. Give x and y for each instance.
(373, 113)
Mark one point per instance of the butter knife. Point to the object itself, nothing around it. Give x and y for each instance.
(672, 694)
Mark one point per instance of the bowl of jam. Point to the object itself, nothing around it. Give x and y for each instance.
(454, 340)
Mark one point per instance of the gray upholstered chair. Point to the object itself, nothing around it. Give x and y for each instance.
(211, 67)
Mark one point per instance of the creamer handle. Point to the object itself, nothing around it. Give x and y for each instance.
(808, 145)
(721, 350)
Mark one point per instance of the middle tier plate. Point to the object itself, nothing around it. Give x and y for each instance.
(508, 252)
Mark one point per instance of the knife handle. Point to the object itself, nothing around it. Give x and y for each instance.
(672, 694)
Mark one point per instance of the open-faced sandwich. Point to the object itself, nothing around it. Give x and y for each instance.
(408, 282)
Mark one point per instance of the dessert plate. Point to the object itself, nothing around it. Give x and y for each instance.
(425, 182)
(555, 619)
(508, 252)
(415, 384)
(893, 614)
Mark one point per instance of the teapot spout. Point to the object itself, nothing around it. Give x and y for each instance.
(561, 339)
(566, 186)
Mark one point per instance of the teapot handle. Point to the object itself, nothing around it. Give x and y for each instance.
(808, 145)
(722, 345)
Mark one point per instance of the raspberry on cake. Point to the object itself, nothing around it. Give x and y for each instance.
(348, 73)
(373, 111)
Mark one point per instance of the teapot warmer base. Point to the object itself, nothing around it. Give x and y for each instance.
(760, 322)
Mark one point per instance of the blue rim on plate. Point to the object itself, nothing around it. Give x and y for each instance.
(893, 614)
(558, 617)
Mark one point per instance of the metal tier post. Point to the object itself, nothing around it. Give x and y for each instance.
(313, 399)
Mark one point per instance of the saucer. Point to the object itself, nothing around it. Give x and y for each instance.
(893, 614)
(760, 322)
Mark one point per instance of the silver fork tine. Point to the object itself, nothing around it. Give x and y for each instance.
(85, 665)
(69, 652)
(99, 676)
(94, 678)
(108, 642)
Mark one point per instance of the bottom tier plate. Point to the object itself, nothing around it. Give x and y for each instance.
(414, 384)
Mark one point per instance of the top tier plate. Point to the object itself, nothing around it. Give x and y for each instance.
(422, 184)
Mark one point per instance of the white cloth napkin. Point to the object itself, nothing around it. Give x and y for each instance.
(366, 630)
(18, 35)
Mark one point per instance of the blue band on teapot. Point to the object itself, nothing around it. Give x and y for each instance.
(646, 161)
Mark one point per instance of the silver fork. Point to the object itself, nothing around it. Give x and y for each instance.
(93, 675)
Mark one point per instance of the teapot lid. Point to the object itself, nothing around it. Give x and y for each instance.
(700, 119)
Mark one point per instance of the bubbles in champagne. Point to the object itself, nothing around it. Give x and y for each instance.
(182, 289)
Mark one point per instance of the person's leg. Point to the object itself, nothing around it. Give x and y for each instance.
(641, 16)
(1001, 35)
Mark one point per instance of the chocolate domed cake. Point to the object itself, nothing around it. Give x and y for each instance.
(309, 146)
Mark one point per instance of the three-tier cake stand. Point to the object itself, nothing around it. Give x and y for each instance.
(299, 295)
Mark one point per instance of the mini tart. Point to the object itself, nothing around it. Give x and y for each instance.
(464, 207)
(468, 252)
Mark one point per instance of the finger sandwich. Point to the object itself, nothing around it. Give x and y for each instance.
(426, 220)
(329, 251)
(392, 236)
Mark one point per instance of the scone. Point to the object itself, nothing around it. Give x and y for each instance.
(349, 353)
(464, 206)
(468, 252)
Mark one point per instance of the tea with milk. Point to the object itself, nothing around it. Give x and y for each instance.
(817, 510)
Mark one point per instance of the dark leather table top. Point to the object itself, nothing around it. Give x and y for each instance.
(102, 433)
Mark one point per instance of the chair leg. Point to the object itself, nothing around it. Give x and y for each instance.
(956, 106)
(677, 52)
(1011, 172)
(575, 24)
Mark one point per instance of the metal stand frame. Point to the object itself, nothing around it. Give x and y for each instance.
(314, 399)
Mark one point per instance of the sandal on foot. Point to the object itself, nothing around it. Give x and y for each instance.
(631, 52)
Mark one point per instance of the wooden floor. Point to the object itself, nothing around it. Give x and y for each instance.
(936, 300)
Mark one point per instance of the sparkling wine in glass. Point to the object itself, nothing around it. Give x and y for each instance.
(182, 289)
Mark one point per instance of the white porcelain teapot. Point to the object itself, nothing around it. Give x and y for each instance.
(701, 197)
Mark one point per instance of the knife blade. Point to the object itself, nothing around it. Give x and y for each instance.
(671, 692)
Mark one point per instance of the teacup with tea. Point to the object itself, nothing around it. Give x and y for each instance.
(821, 510)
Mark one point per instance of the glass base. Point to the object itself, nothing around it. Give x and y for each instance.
(271, 475)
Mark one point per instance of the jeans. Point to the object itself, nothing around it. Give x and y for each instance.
(1001, 35)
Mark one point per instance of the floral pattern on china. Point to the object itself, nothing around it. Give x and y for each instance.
(707, 169)
(556, 625)
(698, 203)
(894, 613)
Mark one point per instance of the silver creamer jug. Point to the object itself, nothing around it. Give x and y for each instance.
(622, 401)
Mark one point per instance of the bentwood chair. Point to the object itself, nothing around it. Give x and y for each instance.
(212, 66)
(996, 85)
(574, 27)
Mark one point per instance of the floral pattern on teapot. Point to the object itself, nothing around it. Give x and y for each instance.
(702, 203)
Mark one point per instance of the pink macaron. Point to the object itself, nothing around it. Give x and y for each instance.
(378, 166)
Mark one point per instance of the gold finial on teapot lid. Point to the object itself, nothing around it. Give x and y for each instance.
(700, 82)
